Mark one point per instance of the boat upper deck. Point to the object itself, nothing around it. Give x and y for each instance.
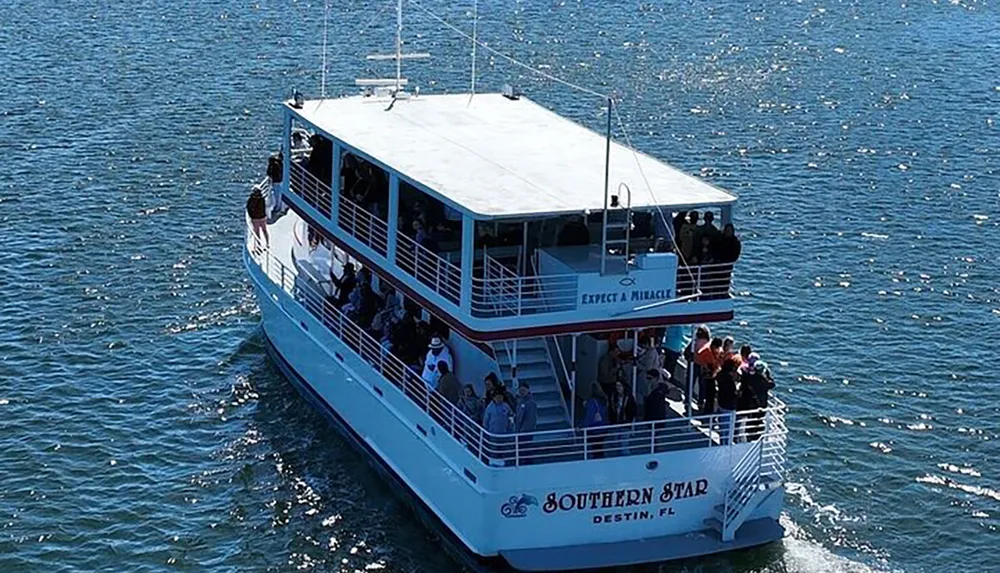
(496, 158)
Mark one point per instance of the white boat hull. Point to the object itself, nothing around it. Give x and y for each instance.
(555, 516)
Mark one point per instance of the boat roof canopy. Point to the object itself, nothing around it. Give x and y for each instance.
(500, 158)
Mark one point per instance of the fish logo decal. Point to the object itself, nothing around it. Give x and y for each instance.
(627, 281)
(517, 505)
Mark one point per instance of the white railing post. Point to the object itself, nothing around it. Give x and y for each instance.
(586, 442)
(572, 386)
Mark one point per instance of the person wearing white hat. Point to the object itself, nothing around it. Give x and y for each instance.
(436, 352)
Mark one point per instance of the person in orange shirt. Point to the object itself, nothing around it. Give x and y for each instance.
(709, 358)
(729, 351)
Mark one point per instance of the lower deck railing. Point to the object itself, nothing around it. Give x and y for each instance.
(575, 444)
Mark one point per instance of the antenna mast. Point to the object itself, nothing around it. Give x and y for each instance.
(399, 44)
(379, 85)
(475, 22)
(326, 20)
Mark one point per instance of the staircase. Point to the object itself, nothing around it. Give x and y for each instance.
(757, 476)
(535, 367)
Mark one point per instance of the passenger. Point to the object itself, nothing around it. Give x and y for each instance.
(312, 239)
(679, 219)
(448, 385)
(709, 358)
(656, 402)
(622, 408)
(761, 381)
(745, 352)
(345, 284)
(425, 237)
(728, 247)
(596, 408)
(495, 386)
(470, 404)
(673, 346)
(647, 358)
(702, 256)
(436, 352)
(595, 416)
(688, 235)
(729, 350)
(609, 369)
(758, 383)
(709, 230)
(574, 233)
(257, 211)
(364, 301)
(390, 314)
(402, 339)
(497, 417)
(526, 416)
(726, 381)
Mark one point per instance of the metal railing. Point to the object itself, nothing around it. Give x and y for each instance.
(363, 226)
(761, 469)
(526, 448)
(307, 186)
(429, 268)
(714, 281)
(502, 292)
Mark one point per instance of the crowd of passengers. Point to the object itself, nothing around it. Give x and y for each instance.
(388, 318)
(698, 240)
(728, 378)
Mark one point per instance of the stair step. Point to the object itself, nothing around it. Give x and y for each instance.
(532, 354)
(530, 370)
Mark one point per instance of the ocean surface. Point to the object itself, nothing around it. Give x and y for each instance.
(143, 428)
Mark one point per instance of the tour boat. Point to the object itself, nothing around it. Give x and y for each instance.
(539, 243)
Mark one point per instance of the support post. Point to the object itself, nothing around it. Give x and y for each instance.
(690, 376)
(468, 252)
(607, 177)
(572, 385)
(727, 214)
(286, 164)
(336, 183)
(522, 262)
(635, 363)
(393, 222)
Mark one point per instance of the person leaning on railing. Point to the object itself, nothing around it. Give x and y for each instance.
(257, 211)
(471, 404)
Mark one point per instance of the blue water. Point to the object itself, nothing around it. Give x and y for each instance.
(142, 427)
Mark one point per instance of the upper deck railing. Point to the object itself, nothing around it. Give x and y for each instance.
(524, 448)
(364, 226)
(429, 268)
(500, 292)
(306, 185)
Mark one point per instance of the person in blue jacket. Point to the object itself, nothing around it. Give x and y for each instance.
(595, 416)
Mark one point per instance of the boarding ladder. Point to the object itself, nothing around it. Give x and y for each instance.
(616, 230)
(757, 476)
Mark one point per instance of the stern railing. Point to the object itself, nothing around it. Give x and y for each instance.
(713, 281)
